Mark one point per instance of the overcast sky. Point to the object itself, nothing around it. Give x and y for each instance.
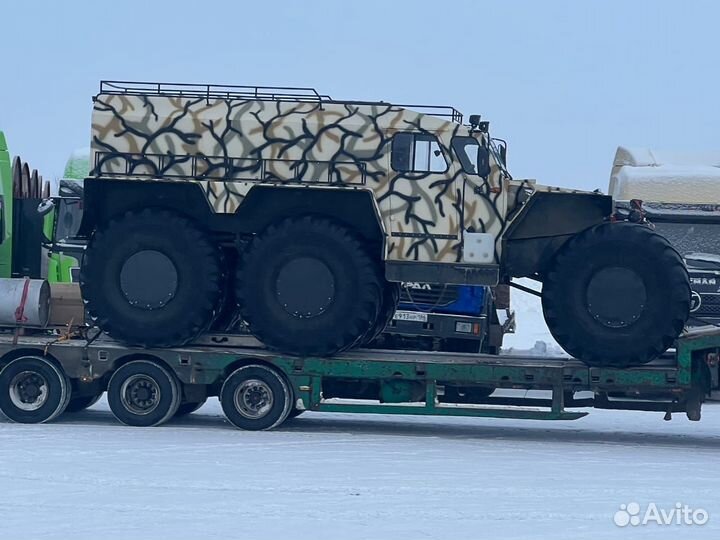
(563, 82)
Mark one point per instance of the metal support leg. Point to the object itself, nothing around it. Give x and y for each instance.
(430, 394)
(558, 400)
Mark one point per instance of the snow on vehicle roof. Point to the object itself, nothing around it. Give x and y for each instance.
(645, 157)
(665, 177)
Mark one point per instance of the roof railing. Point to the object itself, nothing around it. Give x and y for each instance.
(260, 93)
(267, 93)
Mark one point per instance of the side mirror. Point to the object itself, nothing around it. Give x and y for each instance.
(483, 164)
(501, 146)
(45, 207)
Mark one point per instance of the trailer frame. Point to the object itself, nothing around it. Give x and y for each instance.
(397, 382)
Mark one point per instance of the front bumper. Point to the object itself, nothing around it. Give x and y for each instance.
(439, 325)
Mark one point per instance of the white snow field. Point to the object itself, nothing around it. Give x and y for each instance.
(532, 335)
(333, 476)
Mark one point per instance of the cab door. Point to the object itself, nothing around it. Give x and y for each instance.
(423, 198)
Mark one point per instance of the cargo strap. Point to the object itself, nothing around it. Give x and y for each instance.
(20, 310)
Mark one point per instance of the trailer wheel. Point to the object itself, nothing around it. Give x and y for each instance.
(188, 408)
(617, 295)
(143, 393)
(81, 403)
(308, 286)
(151, 278)
(256, 397)
(33, 390)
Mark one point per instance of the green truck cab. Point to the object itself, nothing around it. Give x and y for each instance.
(32, 243)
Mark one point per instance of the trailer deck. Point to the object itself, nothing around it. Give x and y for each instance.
(362, 381)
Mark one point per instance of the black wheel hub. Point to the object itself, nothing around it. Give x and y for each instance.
(29, 389)
(305, 287)
(255, 396)
(616, 297)
(143, 394)
(149, 279)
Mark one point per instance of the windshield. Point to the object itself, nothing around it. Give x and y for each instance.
(467, 150)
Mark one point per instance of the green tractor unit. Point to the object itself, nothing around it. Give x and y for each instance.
(34, 233)
(23, 228)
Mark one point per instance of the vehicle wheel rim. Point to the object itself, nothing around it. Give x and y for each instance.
(305, 287)
(28, 390)
(253, 399)
(140, 394)
(616, 296)
(148, 279)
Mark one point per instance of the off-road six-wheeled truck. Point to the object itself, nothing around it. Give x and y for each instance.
(302, 213)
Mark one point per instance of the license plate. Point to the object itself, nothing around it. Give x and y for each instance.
(414, 316)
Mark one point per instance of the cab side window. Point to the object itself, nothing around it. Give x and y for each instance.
(417, 152)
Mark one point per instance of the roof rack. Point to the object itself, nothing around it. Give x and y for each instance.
(264, 93)
(260, 93)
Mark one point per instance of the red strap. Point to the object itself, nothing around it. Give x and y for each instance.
(20, 310)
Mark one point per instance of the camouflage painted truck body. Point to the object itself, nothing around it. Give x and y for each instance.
(418, 165)
(317, 207)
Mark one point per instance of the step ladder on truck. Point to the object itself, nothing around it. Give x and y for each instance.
(46, 371)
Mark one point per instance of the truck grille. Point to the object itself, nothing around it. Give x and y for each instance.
(431, 295)
(710, 306)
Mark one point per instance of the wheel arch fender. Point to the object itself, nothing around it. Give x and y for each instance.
(545, 223)
(105, 199)
(354, 208)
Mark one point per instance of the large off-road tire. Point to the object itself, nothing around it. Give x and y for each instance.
(308, 286)
(151, 278)
(617, 295)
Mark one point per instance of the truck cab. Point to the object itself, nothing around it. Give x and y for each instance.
(31, 241)
(442, 317)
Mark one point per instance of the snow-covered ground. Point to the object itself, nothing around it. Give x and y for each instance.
(328, 476)
(532, 334)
